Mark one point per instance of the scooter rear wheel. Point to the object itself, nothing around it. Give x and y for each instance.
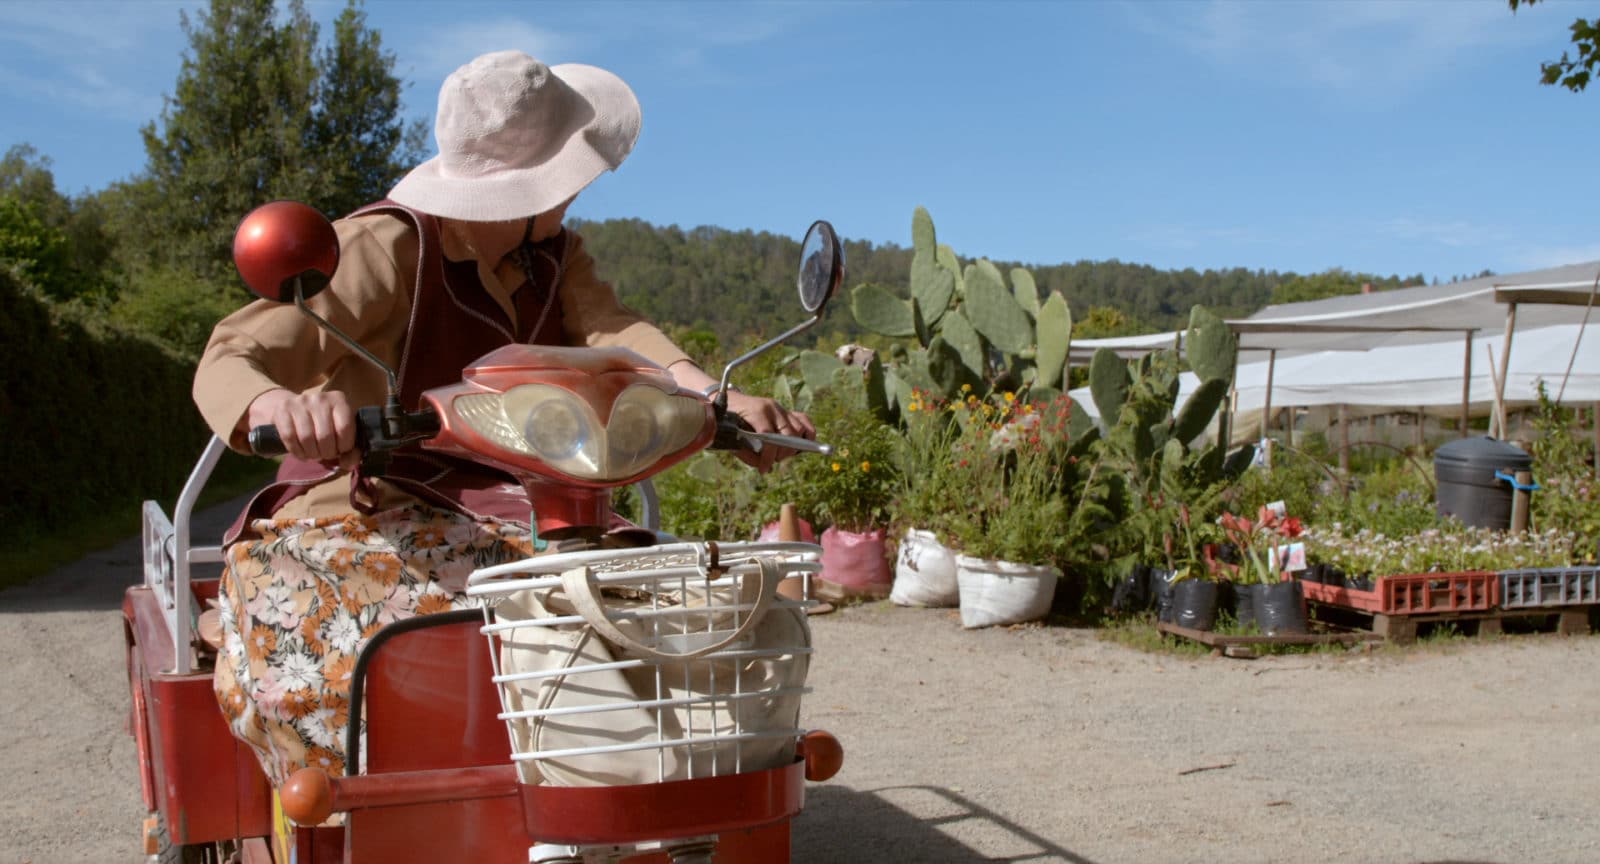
(168, 853)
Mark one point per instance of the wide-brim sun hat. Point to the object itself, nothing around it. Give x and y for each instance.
(517, 138)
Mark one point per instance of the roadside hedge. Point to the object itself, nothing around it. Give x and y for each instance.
(92, 418)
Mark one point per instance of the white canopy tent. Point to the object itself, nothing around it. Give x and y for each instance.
(1404, 316)
(1412, 349)
(1424, 376)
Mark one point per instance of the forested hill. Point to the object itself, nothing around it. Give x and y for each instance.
(734, 283)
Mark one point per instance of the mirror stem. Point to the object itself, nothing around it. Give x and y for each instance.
(353, 345)
(727, 371)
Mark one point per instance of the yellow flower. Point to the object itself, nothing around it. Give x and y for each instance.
(1010, 396)
(836, 466)
(866, 466)
(966, 388)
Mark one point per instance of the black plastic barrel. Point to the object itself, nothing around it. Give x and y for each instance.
(1468, 489)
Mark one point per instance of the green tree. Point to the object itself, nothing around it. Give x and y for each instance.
(257, 115)
(359, 117)
(1569, 73)
(37, 251)
(1102, 322)
(60, 243)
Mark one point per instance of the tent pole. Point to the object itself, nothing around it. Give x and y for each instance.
(1495, 411)
(1466, 387)
(1266, 411)
(1344, 439)
(1505, 369)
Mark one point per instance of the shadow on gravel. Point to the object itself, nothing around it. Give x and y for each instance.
(925, 824)
(96, 582)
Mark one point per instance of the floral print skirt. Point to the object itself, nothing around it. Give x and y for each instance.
(300, 598)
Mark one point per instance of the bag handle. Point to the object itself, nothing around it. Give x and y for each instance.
(584, 592)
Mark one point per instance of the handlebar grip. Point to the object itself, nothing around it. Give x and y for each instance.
(264, 441)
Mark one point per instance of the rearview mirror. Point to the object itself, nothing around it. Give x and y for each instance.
(821, 266)
(286, 252)
(285, 245)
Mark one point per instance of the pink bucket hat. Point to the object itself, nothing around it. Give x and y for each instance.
(517, 138)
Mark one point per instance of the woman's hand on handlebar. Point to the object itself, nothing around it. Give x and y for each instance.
(765, 415)
(317, 426)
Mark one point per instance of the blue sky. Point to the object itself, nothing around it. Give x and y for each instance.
(1400, 137)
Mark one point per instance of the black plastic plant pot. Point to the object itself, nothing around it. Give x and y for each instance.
(1281, 608)
(1161, 585)
(1133, 593)
(1194, 604)
(1244, 604)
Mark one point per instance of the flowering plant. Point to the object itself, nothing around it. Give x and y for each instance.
(1189, 562)
(1261, 543)
(994, 470)
(852, 488)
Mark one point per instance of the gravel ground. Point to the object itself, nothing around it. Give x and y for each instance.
(1010, 744)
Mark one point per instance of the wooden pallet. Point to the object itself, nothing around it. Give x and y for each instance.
(1243, 646)
(1567, 620)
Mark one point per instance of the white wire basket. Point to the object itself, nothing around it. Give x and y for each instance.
(649, 665)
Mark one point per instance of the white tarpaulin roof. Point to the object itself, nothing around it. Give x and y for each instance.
(1427, 376)
(1430, 374)
(1404, 316)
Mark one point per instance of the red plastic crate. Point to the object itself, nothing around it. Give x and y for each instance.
(1416, 593)
(1337, 595)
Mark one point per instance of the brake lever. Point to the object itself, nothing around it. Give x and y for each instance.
(756, 440)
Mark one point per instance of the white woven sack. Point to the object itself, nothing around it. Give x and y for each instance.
(1001, 592)
(924, 572)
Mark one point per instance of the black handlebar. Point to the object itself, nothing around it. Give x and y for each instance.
(728, 426)
(378, 431)
(264, 441)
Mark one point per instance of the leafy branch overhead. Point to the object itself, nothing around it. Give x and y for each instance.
(1569, 73)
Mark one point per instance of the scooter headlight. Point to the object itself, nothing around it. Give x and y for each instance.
(647, 424)
(561, 430)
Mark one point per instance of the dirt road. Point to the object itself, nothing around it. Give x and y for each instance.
(1023, 745)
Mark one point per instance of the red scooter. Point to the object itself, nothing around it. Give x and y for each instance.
(572, 424)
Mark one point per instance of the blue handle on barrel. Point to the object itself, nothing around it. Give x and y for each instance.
(1511, 478)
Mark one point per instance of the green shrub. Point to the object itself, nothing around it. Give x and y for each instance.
(1299, 481)
(1395, 500)
(95, 418)
(1569, 495)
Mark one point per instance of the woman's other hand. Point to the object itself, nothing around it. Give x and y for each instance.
(765, 415)
(316, 426)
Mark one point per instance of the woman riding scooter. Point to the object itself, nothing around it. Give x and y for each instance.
(467, 253)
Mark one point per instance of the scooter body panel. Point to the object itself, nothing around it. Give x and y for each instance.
(205, 783)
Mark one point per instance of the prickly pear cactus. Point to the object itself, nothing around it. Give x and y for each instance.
(970, 327)
(1151, 457)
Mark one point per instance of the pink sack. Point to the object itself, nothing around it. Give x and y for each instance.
(855, 560)
(769, 533)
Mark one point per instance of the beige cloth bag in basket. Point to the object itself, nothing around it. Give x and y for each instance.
(683, 664)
